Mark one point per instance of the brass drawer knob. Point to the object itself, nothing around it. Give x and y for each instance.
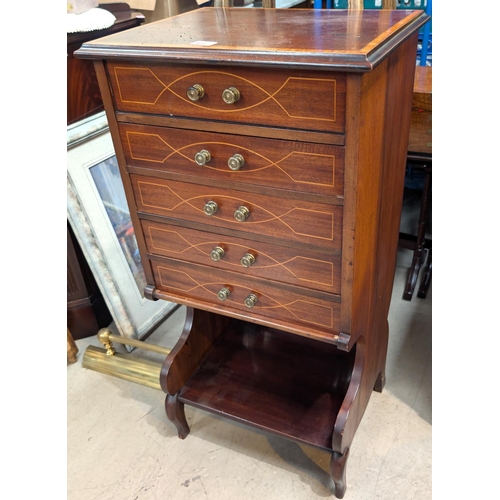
(195, 92)
(236, 162)
(223, 293)
(251, 300)
(231, 95)
(241, 214)
(247, 260)
(210, 208)
(202, 157)
(217, 253)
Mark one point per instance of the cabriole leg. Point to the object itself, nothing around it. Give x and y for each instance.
(337, 472)
(175, 413)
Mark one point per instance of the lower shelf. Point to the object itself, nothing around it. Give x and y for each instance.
(285, 384)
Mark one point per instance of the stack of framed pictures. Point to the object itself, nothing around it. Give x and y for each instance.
(99, 216)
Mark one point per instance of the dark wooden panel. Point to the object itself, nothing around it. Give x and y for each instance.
(282, 383)
(86, 308)
(297, 166)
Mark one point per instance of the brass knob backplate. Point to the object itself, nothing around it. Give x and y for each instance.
(202, 157)
(251, 300)
(236, 162)
(195, 92)
(223, 293)
(241, 214)
(247, 260)
(217, 253)
(231, 95)
(210, 208)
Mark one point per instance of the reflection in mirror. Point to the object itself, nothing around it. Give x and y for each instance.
(106, 177)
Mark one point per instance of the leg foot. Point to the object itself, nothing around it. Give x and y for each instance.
(175, 413)
(380, 382)
(337, 472)
(426, 279)
(411, 280)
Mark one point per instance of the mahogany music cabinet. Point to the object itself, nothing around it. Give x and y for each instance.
(263, 156)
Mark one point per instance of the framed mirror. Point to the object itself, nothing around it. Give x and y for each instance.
(98, 213)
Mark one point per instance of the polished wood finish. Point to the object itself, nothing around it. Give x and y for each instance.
(201, 329)
(327, 39)
(338, 464)
(281, 218)
(304, 267)
(175, 412)
(297, 166)
(281, 98)
(285, 384)
(281, 303)
(296, 342)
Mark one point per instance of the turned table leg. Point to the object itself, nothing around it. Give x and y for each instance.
(338, 465)
(175, 413)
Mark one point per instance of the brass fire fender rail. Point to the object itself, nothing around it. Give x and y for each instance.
(125, 366)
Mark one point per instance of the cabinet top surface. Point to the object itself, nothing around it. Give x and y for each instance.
(354, 40)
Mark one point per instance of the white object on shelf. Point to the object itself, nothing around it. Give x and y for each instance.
(91, 20)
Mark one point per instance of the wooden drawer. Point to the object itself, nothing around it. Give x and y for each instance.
(278, 98)
(187, 281)
(298, 166)
(294, 220)
(314, 270)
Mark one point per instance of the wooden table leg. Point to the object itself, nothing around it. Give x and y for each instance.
(426, 279)
(419, 248)
(71, 347)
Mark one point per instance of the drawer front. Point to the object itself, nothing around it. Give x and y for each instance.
(297, 166)
(298, 267)
(284, 98)
(189, 281)
(294, 220)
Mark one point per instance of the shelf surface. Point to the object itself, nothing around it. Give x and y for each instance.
(275, 381)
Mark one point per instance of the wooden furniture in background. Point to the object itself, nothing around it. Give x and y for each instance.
(420, 158)
(86, 309)
(83, 96)
(264, 168)
(71, 348)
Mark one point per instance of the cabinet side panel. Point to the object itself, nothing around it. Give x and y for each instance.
(401, 71)
(363, 170)
(107, 98)
(374, 197)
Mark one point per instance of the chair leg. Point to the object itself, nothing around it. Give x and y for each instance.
(426, 279)
(419, 253)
